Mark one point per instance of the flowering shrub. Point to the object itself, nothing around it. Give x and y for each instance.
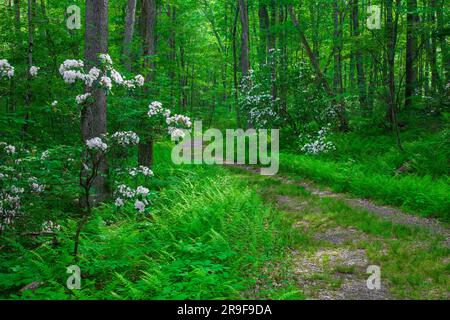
(20, 190)
(34, 71)
(256, 99)
(6, 70)
(161, 118)
(124, 139)
(320, 144)
(105, 78)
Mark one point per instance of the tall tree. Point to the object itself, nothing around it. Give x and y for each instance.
(245, 49)
(337, 48)
(93, 118)
(358, 56)
(263, 15)
(129, 32)
(391, 38)
(411, 52)
(149, 15)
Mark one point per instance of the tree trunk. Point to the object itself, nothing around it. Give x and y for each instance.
(322, 80)
(263, 15)
(93, 117)
(411, 52)
(149, 33)
(245, 50)
(128, 35)
(391, 34)
(29, 93)
(235, 65)
(337, 48)
(145, 153)
(359, 59)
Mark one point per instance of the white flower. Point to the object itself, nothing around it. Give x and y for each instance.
(105, 59)
(49, 226)
(106, 82)
(6, 70)
(140, 206)
(54, 103)
(45, 155)
(34, 71)
(179, 120)
(16, 190)
(129, 84)
(139, 80)
(126, 138)
(116, 77)
(36, 187)
(92, 76)
(70, 65)
(142, 191)
(146, 172)
(126, 192)
(119, 202)
(10, 150)
(176, 134)
(96, 144)
(155, 108)
(81, 98)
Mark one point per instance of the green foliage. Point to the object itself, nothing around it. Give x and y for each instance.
(206, 238)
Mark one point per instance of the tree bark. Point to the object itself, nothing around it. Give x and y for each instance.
(129, 32)
(149, 15)
(358, 57)
(411, 52)
(337, 48)
(245, 50)
(263, 15)
(93, 117)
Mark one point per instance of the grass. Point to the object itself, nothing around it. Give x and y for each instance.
(413, 260)
(371, 167)
(209, 237)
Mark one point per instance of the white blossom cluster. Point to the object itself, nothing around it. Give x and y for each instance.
(82, 98)
(175, 123)
(179, 120)
(35, 186)
(139, 196)
(6, 70)
(320, 145)
(105, 59)
(176, 134)
(126, 138)
(72, 70)
(96, 144)
(50, 226)
(34, 71)
(260, 116)
(156, 108)
(7, 148)
(145, 171)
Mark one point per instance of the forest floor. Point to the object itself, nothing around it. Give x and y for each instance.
(343, 236)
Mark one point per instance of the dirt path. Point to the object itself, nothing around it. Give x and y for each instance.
(336, 267)
(384, 212)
